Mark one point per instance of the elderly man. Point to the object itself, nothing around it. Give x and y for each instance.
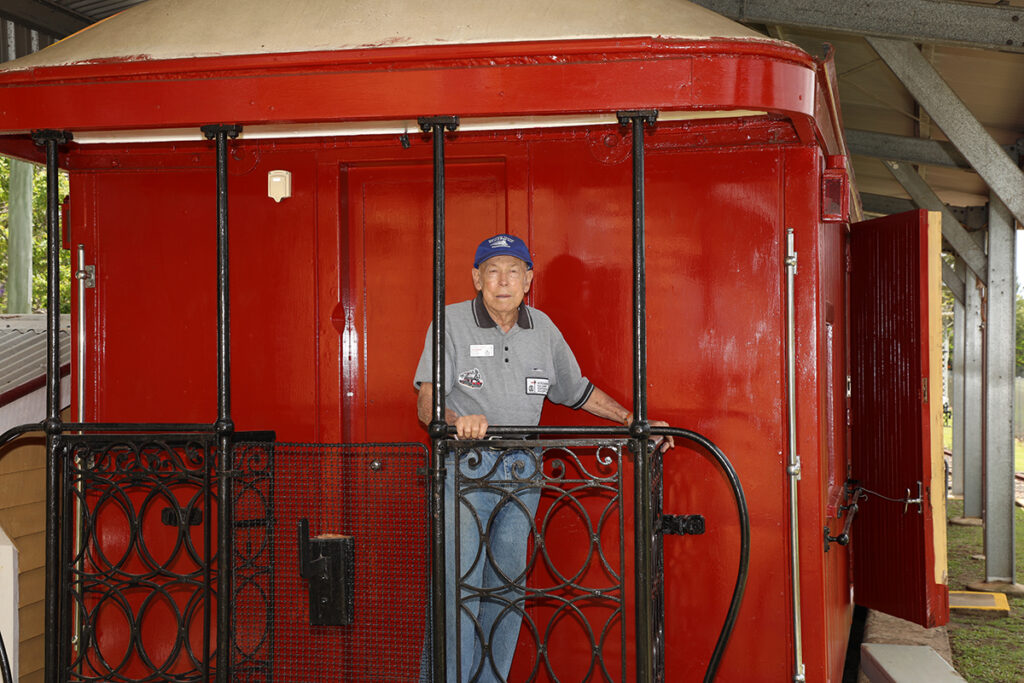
(503, 359)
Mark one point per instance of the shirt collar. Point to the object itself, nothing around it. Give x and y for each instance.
(483, 318)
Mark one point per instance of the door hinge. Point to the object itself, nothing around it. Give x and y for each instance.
(924, 389)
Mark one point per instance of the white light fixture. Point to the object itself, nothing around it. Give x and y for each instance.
(279, 185)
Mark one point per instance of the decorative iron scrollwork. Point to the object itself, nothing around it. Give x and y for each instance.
(539, 560)
(140, 591)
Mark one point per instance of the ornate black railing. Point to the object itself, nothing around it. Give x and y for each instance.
(547, 511)
(138, 563)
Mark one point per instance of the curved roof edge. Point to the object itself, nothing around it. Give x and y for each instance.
(184, 29)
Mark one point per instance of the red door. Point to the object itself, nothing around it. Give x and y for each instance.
(899, 548)
(386, 289)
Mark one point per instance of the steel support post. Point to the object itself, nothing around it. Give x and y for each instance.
(974, 408)
(956, 398)
(438, 427)
(1000, 352)
(640, 429)
(19, 251)
(224, 426)
(54, 631)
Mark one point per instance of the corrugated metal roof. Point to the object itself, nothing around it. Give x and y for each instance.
(96, 9)
(23, 352)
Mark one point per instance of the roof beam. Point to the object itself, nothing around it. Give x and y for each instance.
(44, 17)
(903, 148)
(987, 157)
(974, 218)
(923, 21)
(963, 244)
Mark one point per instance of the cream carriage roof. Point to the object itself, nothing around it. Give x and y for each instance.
(181, 29)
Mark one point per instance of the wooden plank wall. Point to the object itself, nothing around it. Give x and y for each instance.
(22, 516)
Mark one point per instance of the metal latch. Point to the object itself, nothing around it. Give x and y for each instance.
(86, 274)
(328, 563)
(682, 525)
(919, 501)
(852, 493)
(181, 518)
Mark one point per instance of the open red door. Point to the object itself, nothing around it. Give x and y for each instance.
(899, 548)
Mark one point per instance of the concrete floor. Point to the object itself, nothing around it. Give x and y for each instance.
(882, 628)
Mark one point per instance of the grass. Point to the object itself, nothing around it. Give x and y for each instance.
(1018, 447)
(986, 648)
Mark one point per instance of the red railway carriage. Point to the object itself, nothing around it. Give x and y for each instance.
(799, 342)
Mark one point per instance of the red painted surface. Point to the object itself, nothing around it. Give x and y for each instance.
(403, 83)
(331, 288)
(892, 418)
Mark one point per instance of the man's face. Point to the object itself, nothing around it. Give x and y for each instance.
(504, 281)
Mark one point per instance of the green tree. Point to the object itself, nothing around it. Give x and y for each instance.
(1020, 334)
(38, 240)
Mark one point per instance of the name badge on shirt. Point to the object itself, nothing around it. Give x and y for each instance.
(478, 350)
(538, 386)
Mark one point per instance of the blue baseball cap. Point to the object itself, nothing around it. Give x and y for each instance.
(501, 245)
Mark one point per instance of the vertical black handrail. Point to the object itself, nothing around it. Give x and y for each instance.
(54, 645)
(640, 429)
(436, 125)
(224, 426)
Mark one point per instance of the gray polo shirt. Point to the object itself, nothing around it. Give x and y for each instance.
(504, 375)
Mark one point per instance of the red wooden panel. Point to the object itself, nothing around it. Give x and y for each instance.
(388, 243)
(899, 553)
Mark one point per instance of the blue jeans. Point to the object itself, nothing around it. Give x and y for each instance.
(498, 502)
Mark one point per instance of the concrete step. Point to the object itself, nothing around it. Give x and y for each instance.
(884, 663)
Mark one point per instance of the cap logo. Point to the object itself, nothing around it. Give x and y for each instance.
(498, 242)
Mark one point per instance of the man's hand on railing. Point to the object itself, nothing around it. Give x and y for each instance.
(470, 427)
(664, 442)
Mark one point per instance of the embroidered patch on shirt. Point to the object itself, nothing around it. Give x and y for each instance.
(471, 379)
(537, 386)
(478, 350)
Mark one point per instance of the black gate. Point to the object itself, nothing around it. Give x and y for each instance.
(138, 570)
(537, 568)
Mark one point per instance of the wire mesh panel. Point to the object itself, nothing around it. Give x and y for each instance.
(138, 557)
(331, 562)
(540, 562)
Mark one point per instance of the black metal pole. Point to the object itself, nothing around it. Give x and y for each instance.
(640, 429)
(224, 426)
(53, 634)
(436, 126)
